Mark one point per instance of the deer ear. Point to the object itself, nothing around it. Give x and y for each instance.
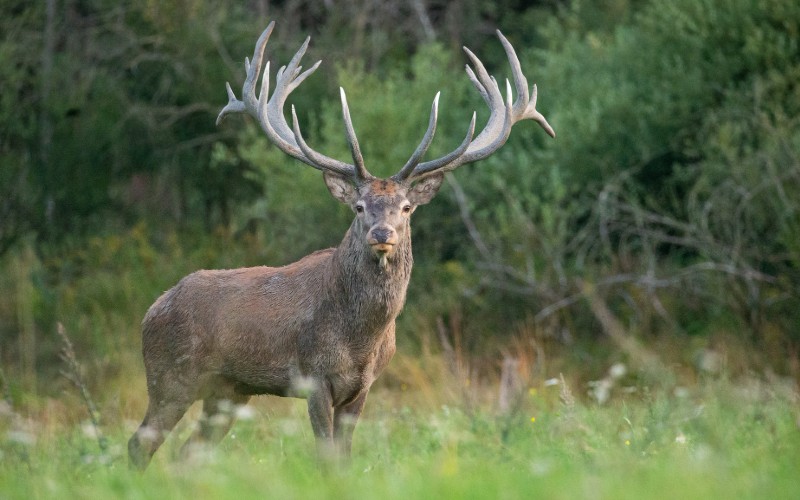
(423, 191)
(341, 188)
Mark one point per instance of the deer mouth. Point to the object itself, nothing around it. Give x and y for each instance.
(382, 247)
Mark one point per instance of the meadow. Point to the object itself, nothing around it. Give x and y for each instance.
(433, 429)
(625, 414)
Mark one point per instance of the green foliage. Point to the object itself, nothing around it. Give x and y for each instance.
(672, 175)
(111, 93)
(18, 74)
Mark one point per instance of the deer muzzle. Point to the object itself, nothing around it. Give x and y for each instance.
(382, 239)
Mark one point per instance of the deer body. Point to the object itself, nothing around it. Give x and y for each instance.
(264, 330)
(323, 327)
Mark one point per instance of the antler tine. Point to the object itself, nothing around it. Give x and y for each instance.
(491, 95)
(252, 72)
(525, 106)
(503, 115)
(234, 105)
(283, 87)
(268, 111)
(424, 144)
(352, 140)
(433, 166)
(520, 82)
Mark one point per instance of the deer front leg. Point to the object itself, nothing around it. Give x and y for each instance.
(344, 423)
(320, 411)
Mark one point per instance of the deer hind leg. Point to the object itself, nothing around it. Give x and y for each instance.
(344, 423)
(160, 419)
(219, 414)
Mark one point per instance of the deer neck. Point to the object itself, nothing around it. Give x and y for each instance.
(363, 281)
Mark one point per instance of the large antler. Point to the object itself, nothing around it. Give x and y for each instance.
(268, 111)
(503, 116)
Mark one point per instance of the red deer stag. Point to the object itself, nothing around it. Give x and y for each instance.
(323, 327)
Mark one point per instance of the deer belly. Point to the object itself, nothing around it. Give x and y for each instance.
(259, 378)
(279, 388)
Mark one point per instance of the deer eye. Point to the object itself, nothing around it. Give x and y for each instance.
(360, 208)
(406, 209)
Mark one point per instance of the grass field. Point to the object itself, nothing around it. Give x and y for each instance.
(435, 438)
(573, 422)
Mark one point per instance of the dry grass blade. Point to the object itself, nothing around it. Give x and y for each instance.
(565, 395)
(73, 374)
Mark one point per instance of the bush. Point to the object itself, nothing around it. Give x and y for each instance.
(673, 177)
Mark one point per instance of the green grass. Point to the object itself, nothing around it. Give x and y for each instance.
(717, 439)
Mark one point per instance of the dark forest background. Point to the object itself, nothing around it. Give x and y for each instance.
(664, 217)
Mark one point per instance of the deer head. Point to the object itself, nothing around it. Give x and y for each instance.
(383, 206)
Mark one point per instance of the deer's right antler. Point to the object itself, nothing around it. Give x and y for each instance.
(503, 116)
(268, 111)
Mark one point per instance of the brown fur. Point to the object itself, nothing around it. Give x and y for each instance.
(383, 187)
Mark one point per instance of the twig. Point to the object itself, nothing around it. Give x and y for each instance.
(73, 374)
(4, 386)
(466, 217)
(653, 282)
(639, 354)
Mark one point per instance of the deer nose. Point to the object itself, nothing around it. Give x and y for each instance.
(381, 235)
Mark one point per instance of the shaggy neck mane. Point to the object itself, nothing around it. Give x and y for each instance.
(363, 285)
